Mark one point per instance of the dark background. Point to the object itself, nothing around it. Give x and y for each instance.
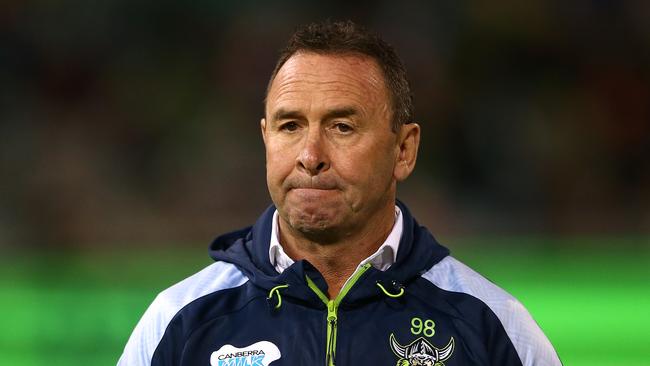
(129, 123)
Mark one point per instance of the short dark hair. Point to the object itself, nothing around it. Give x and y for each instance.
(347, 37)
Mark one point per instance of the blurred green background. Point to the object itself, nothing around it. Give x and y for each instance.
(129, 138)
(79, 309)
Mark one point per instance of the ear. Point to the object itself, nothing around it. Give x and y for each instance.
(263, 129)
(408, 139)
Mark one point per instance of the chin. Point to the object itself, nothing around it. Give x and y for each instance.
(315, 226)
(316, 221)
(316, 211)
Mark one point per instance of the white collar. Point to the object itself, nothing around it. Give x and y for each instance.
(382, 259)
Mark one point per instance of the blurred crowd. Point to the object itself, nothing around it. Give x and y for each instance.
(137, 123)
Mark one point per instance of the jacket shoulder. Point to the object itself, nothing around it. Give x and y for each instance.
(150, 329)
(531, 345)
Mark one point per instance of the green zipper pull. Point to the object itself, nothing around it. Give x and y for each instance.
(331, 332)
(331, 311)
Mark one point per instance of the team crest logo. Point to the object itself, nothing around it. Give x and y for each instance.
(421, 353)
(257, 354)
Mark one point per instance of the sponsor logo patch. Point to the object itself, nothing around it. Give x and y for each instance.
(257, 354)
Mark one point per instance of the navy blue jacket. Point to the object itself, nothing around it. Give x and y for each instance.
(427, 308)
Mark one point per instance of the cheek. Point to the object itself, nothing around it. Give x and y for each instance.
(367, 170)
(273, 175)
(278, 167)
(279, 153)
(376, 162)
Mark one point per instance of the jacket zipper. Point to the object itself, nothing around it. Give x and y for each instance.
(332, 308)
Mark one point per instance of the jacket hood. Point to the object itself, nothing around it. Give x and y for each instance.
(248, 249)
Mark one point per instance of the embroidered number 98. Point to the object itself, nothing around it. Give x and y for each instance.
(426, 327)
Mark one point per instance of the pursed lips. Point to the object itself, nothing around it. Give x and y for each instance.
(314, 192)
(312, 184)
(313, 195)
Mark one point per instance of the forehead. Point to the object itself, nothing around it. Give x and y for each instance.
(351, 78)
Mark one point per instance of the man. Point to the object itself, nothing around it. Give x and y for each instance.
(337, 272)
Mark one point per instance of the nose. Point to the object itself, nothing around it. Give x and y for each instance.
(313, 158)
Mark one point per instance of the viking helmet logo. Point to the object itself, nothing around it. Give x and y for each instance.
(421, 353)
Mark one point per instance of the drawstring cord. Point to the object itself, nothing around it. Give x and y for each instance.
(396, 285)
(276, 290)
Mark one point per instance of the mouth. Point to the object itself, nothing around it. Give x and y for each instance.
(313, 185)
(317, 186)
(313, 189)
(313, 193)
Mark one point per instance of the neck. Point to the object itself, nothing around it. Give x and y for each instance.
(337, 260)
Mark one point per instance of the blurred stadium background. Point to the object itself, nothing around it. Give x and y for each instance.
(129, 139)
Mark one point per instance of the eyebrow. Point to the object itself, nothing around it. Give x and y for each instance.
(286, 114)
(338, 112)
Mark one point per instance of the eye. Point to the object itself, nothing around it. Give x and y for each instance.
(290, 126)
(343, 127)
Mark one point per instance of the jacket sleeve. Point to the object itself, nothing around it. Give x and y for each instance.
(532, 346)
(145, 337)
(516, 325)
(149, 332)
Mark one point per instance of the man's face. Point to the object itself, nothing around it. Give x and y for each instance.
(331, 155)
